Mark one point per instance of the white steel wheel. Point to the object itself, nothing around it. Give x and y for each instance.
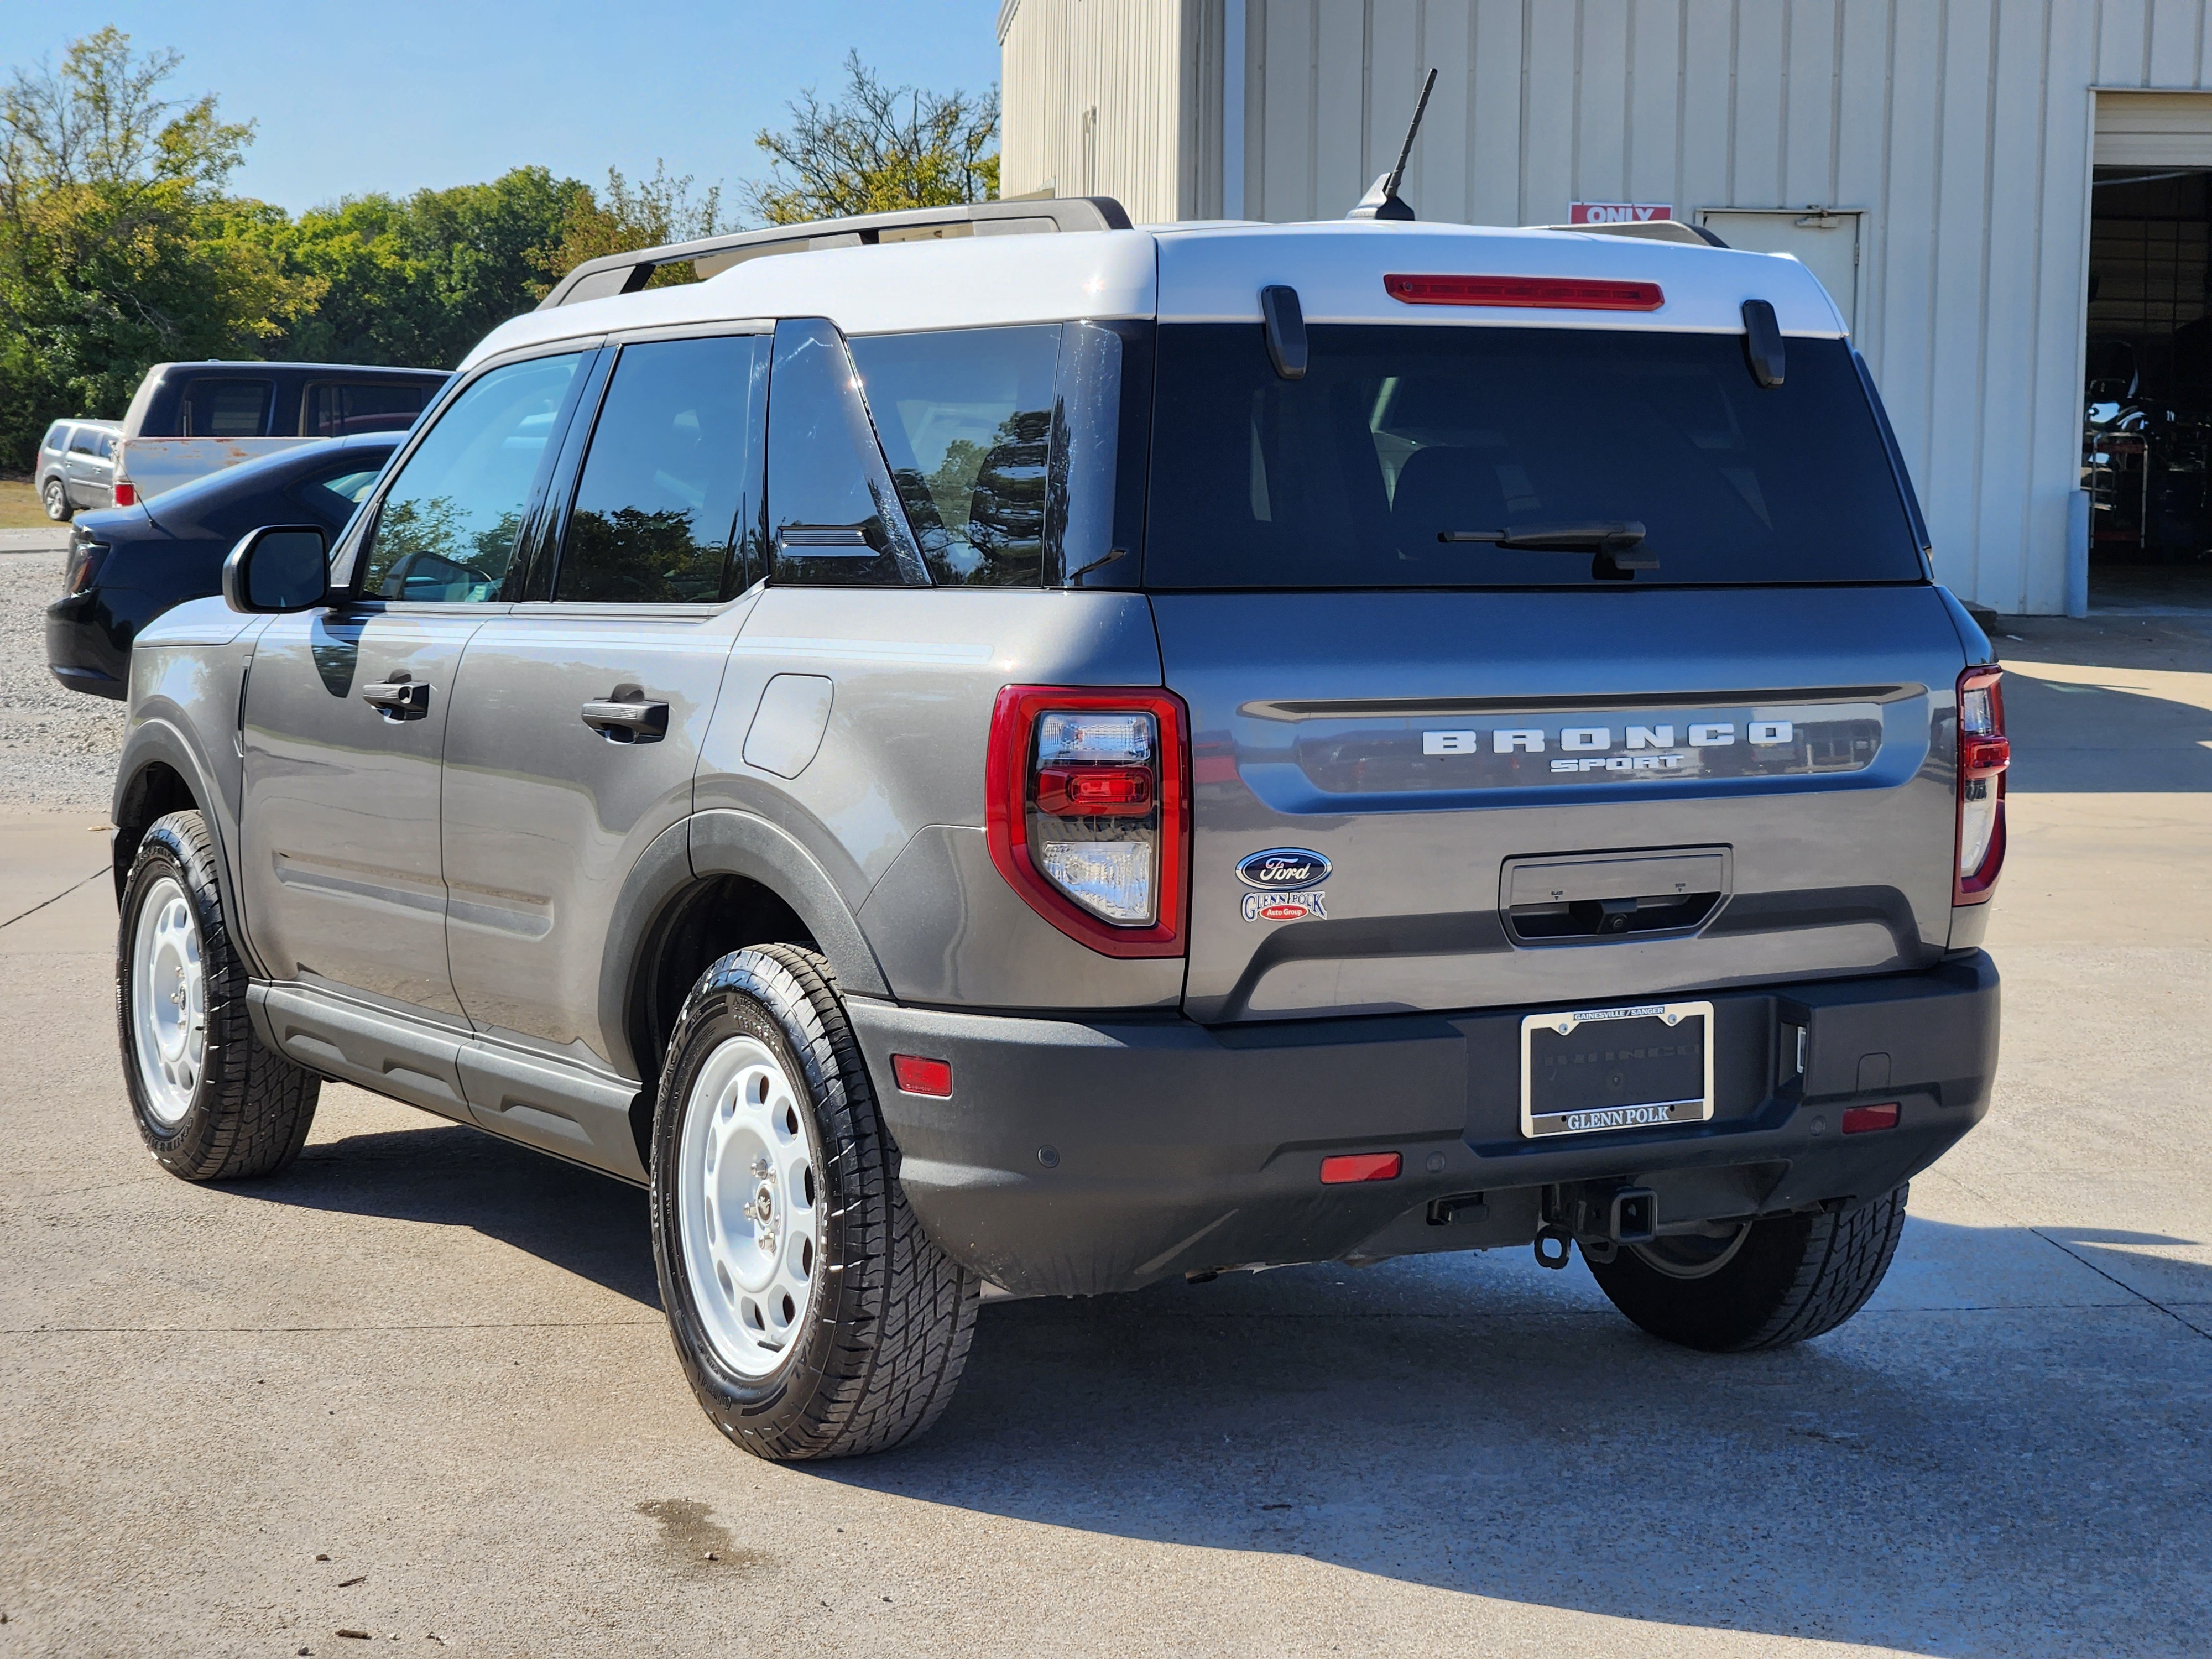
(748, 1206)
(169, 1002)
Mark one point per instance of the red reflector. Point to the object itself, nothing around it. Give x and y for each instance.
(1360, 1166)
(1551, 293)
(1094, 791)
(917, 1076)
(126, 493)
(1858, 1120)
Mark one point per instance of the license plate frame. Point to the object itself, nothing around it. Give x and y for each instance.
(1590, 1107)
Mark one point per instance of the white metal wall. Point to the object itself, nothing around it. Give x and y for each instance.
(1962, 129)
(1117, 98)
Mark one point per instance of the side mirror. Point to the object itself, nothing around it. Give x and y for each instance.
(279, 568)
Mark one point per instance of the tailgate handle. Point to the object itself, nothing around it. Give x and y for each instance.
(1555, 901)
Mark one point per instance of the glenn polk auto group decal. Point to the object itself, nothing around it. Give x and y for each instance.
(1287, 880)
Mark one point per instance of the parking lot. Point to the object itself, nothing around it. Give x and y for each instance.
(419, 1386)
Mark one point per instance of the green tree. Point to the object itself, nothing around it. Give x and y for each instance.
(419, 280)
(117, 248)
(883, 147)
(652, 213)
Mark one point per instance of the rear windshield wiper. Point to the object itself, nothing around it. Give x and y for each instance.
(1611, 539)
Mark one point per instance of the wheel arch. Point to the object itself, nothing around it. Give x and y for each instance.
(159, 774)
(717, 882)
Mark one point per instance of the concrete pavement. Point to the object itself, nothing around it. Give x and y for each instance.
(437, 1360)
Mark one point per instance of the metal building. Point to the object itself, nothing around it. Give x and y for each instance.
(2008, 198)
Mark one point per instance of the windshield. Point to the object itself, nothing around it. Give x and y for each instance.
(1434, 457)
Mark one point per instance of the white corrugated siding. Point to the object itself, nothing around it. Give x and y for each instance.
(1962, 129)
(1115, 98)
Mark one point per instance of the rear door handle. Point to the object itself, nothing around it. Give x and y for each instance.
(399, 700)
(628, 722)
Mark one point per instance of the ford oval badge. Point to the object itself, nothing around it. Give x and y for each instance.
(1281, 867)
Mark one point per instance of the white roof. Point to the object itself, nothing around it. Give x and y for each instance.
(1205, 272)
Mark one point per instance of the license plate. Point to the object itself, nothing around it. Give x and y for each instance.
(1593, 1069)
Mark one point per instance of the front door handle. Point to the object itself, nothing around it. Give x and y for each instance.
(399, 700)
(628, 722)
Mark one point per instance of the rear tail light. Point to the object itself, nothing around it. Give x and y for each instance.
(85, 558)
(1547, 293)
(1984, 753)
(126, 493)
(1088, 806)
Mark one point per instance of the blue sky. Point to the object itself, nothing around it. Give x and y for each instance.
(395, 95)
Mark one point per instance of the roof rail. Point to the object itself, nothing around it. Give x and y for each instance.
(626, 273)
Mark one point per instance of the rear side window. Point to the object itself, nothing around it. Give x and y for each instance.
(56, 437)
(671, 478)
(331, 496)
(225, 409)
(340, 409)
(966, 420)
(85, 440)
(447, 526)
(1398, 437)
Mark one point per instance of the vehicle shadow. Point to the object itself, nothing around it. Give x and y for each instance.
(2004, 1453)
(2069, 737)
(1936, 1476)
(449, 1175)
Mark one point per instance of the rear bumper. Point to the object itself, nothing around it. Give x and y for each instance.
(1077, 1158)
(81, 652)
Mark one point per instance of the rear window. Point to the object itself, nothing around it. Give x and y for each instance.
(225, 409)
(1400, 436)
(341, 409)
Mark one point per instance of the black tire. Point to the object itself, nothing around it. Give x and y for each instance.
(1789, 1279)
(875, 1360)
(55, 496)
(249, 1110)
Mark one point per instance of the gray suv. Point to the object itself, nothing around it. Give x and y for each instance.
(1012, 755)
(77, 467)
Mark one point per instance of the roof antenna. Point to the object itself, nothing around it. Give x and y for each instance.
(1382, 200)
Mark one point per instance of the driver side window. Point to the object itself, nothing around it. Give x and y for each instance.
(447, 528)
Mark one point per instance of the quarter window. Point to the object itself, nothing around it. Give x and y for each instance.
(448, 526)
(836, 514)
(966, 421)
(669, 478)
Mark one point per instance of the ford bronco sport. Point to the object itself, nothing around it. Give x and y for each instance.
(973, 762)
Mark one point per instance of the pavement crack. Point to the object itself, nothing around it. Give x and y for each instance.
(2150, 1301)
(55, 899)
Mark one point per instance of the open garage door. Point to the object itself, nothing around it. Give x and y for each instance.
(2147, 429)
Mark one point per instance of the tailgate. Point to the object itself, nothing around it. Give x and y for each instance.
(156, 465)
(1500, 797)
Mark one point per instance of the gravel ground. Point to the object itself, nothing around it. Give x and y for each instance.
(57, 748)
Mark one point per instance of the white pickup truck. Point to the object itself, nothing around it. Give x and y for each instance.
(187, 420)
